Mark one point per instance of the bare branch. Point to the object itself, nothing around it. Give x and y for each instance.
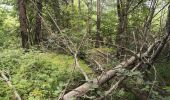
(10, 85)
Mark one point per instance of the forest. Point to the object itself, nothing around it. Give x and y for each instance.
(84, 49)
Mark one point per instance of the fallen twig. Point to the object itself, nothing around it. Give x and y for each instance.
(5, 78)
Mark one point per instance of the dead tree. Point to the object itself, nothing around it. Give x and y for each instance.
(151, 54)
(81, 90)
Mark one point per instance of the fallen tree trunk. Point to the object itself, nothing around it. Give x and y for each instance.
(81, 90)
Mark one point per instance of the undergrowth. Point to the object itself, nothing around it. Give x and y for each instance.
(37, 75)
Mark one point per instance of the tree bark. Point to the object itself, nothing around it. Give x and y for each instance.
(98, 22)
(72, 6)
(89, 8)
(149, 18)
(38, 34)
(148, 21)
(121, 37)
(79, 6)
(23, 24)
(164, 40)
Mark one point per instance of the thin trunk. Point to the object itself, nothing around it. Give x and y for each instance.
(89, 24)
(38, 34)
(89, 21)
(72, 6)
(121, 37)
(164, 40)
(79, 5)
(67, 15)
(57, 12)
(23, 24)
(149, 18)
(98, 37)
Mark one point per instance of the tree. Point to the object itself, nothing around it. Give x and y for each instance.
(79, 5)
(38, 34)
(89, 14)
(149, 19)
(121, 37)
(98, 23)
(23, 24)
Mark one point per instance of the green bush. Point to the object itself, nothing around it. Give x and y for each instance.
(8, 29)
(36, 75)
(163, 69)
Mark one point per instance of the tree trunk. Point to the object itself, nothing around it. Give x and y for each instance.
(79, 5)
(23, 24)
(38, 34)
(57, 12)
(98, 37)
(89, 24)
(84, 88)
(72, 6)
(149, 18)
(121, 37)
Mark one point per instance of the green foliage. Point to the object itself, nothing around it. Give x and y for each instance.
(163, 70)
(100, 56)
(8, 29)
(167, 88)
(109, 22)
(36, 75)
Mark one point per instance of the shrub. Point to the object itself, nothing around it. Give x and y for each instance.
(36, 75)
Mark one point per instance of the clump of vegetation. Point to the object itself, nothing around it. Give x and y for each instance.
(85, 49)
(37, 75)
